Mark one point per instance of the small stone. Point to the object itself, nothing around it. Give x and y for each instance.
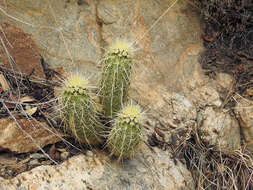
(89, 153)
(64, 155)
(224, 80)
(33, 162)
(37, 156)
(46, 162)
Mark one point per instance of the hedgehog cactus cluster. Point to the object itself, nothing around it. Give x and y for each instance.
(79, 110)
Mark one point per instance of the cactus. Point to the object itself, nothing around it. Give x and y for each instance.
(125, 137)
(79, 111)
(115, 77)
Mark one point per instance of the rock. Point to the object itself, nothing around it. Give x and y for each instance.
(148, 170)
(174, 111)
(15, 139)
(25, 54)
(219, 129)
(64, 155)
(210, 92)
(244, 114)
(34, 162)
(63, 39)
(205, 94)
(224, 81)
(89, 153)
(37, 156)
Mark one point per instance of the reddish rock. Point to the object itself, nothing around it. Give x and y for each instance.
(13, 136)
(22, 49)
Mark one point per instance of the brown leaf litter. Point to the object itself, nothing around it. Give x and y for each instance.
(228, 38)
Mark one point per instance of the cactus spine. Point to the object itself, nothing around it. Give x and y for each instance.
(78, 112)
(115, 77)
(125, 137)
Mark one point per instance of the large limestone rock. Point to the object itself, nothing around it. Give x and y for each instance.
(244, 113)
(219, 129)
(66, 33)
(149, 170)
(74, 35)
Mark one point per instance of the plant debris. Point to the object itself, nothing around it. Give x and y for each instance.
(228, 37)
(210, 168)
(213, 169)
(13, 164)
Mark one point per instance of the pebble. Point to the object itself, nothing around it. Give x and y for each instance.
(89, 153)
(64, 155)
(46, 162)
(37, 156)
(33, 162)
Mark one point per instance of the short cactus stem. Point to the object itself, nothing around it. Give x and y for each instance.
(115, 80)
(79, 111)
(125, 137)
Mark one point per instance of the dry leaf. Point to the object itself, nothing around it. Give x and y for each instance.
(27, 99)
(208, 39)
(29, 110)
(171, 124)
(250, 92)
(4, 83)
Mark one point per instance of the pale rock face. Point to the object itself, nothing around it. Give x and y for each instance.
(176, 109)
(206, 96)
(244, 113)
(219, 129)
(148, 170)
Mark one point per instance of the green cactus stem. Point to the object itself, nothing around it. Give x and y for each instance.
(125, 137)
(115, 80)
(79, 111)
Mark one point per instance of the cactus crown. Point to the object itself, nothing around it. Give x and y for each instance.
(131, 114)
(121, 47)
(76, 84)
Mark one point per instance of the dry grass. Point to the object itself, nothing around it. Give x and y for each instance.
(214, 169)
